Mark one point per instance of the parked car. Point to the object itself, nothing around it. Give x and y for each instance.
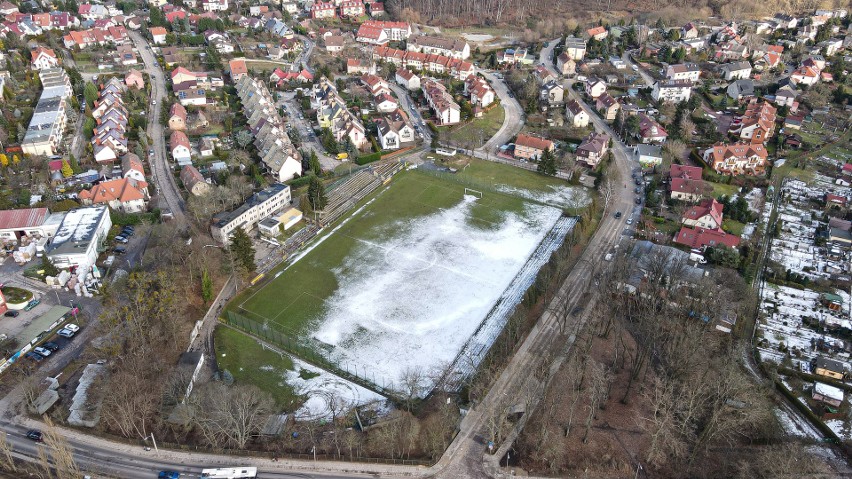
(168, 475)
(72, 327)
(32, 355)
(617, 214)
(66, 333)
(43, 351)
(119, 250)
(50, 346)
(32, 304)
(638, 201)
(127, 232)
(34, 435)
(12, 314)
(121, 239)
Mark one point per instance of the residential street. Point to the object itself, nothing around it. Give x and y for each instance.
(303, 125)
(160, 165)
(514, 119)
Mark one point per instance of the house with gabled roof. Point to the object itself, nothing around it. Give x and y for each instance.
(737, 158)
(685, 183)
(43, 59)
(528, 147)
(124, 194)
(576, 114)
(592, 149)
(706, 214)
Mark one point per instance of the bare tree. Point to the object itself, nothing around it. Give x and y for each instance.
(7, 461)
(60, 452)
(599, 378)
(411, 386)
(230, 416)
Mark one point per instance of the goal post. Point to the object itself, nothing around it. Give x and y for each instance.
(470, 191)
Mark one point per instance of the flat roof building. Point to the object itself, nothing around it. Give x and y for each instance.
(259, 206)
(80, 236)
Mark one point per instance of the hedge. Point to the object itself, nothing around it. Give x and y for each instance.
(297, 182)
(364, 159)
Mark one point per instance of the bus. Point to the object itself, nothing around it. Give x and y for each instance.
(230, 473)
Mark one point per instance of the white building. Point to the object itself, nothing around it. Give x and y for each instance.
(575, 48)
(259, 206)
(736, 70)
(683, 71)
(79, 238)
(674, 91)
(576, 115)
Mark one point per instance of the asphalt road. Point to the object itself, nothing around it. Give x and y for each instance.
(161, 169)
(306, 132)
(514, 118)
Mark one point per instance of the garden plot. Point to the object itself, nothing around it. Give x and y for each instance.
(784, 309)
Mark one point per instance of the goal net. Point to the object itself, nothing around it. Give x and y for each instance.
(476, 193)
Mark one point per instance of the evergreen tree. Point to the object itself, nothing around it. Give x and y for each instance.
(206, 287)
(316, 167)
(316, 194)
(547, 163)
(75, 165)
(90, 93)
(48, 267)
(243, 250)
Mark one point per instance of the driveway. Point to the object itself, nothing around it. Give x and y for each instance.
(302, 124)
(514, 119)
(412, 111)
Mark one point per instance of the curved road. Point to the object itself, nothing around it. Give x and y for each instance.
(513, 120)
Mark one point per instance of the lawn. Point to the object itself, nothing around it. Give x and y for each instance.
(468, 134)
(16, 295)
(721, 189)
(250, 363)
(733, 227)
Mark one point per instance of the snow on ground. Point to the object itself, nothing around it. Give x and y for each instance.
(477, 37)
(793, 425)
(840, 428)
(427, 289)
(327, 394)
(558, 196)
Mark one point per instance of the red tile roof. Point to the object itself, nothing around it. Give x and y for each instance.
(701, 237)
(123, 190)
(534, 142)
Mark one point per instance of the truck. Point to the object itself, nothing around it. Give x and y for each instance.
(697, 258)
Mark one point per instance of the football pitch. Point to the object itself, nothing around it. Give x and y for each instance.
(404, 281)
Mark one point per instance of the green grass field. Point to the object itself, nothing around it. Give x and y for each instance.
(468, 134)
(250, 363)
(295, 297)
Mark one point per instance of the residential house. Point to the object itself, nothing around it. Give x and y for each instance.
(377, 9)
(565, 64)
(131, 167)
(741, 90)
(321, 10)
(793, 122)
(43, 59)
(829, 368)
(650, 131)
(736, 70)
(689, 31)
(701, 238)
(237, 68)
(674, 91)
(592, 149)
(648, 156)
(598, 33)
(543, 75)
(214, 5)
(413, 60)
(177, 117)
(453, 48)
(193, 181)
(408, 79)
(158, 35)
(206, 146)
(371, 34)
(736, 158)
(552, 94)
(757, 123)
(607, 106)
(124, 194)
(786, 96)
(333, 114)
(395, 131)
(134, 79)
(479, 91)
(334, 44)
(805, 75)
(180, 148)
(826, 394)
(515, 56)
(447, 111)
(385, 103)
(706, 214)
(685, 183)
(576, 115)
(532, 148)
(355, 66)
(277, 153)
(352, 8)
(683, 71)
(575, 48)
(595, 87)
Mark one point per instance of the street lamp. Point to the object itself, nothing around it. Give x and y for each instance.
(156, 450)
